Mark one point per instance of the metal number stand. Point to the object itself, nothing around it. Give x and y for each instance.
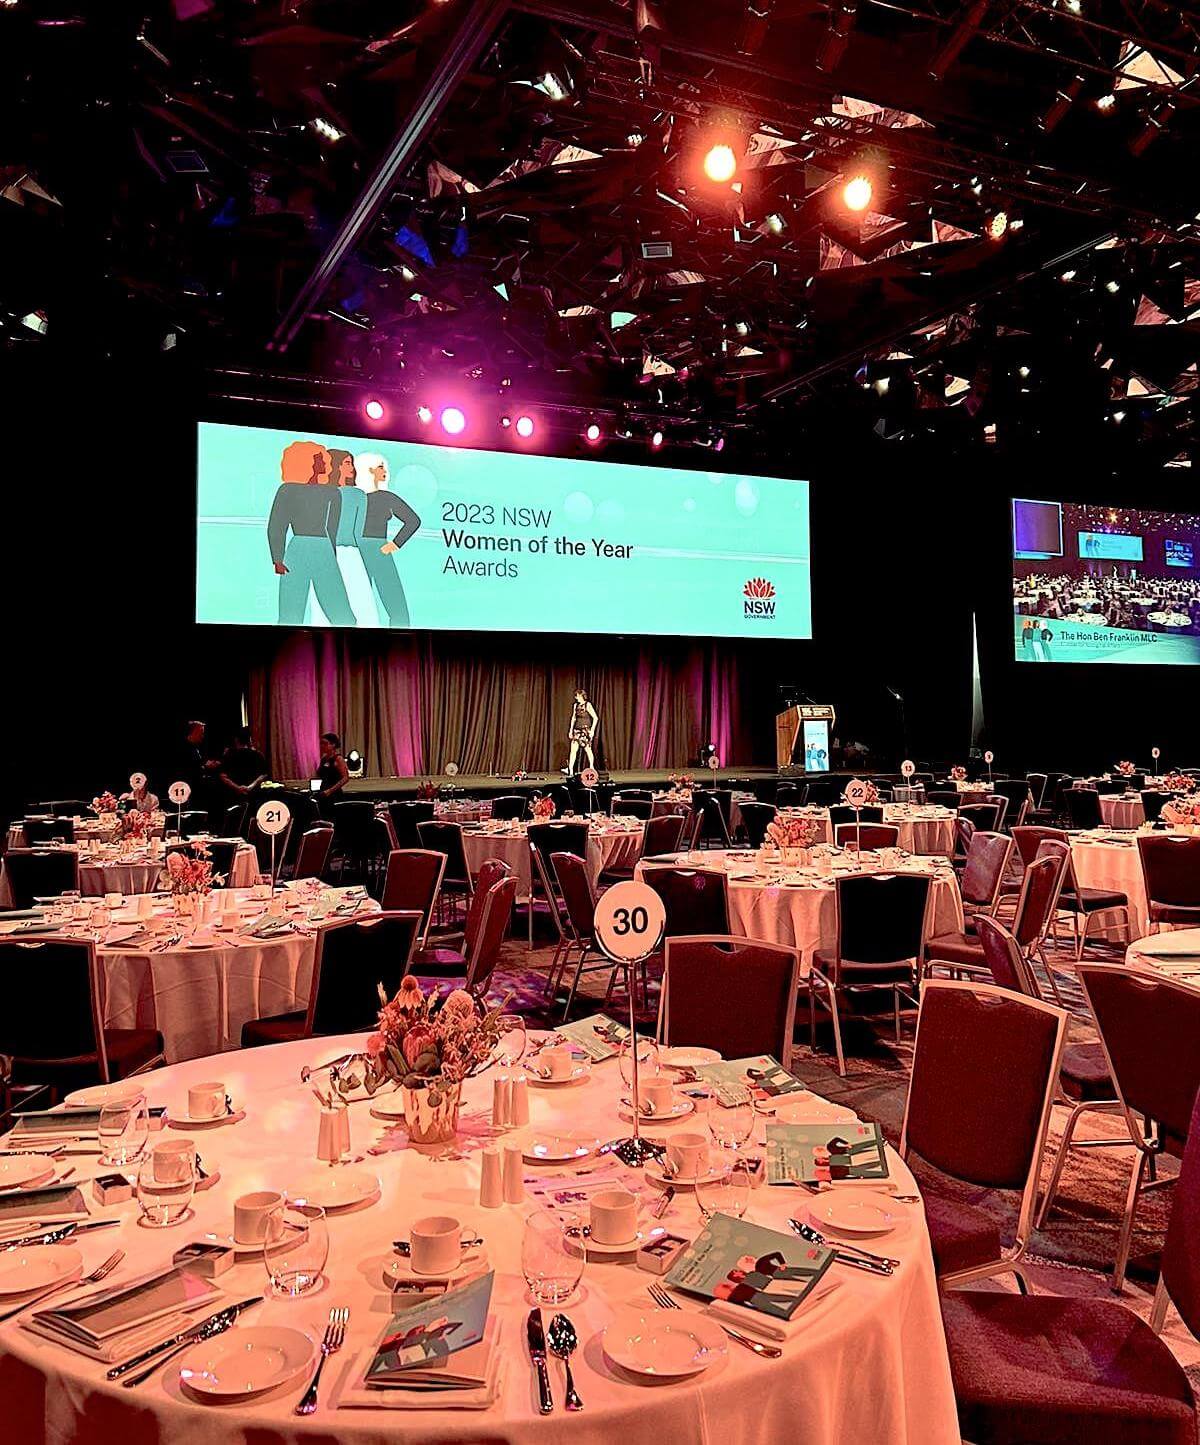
(634, 1150)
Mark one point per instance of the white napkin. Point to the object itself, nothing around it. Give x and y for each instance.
(776, 1332)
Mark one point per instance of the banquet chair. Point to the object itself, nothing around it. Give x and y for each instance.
(756, 818)
(791, 795)
(47, 830)
(404, 816)
(969, 1036)
(1153, 803)
(447, 838)
(353, 955)
(191, 823)
(510, 806)
(943, 797)
(546, 839)
(1081, 903)
(1149, 1027)
(1109, 787)
(65, 1045)
(700, 971)
(696, 900)
(1037, 788)
(866, 835)
(439, 960)
(1002, 810)
(412, 881)
(493, 908)
(261, 843)
(1082, 807)
(985, 816)
(579, 901)
(233, 820)
(964, 831)
(643, 795)
(40, 873)
(312, 857)
(659, 835)
(623, 806)
(983, 873)
(355, 838)
(1171, 870)
(1062, 1369)
(711, 818)
(839, 813)
(69, 807)
(879, 945)
(1017, 795)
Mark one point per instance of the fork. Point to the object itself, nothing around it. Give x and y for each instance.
(102, 1272)
(335, 1334)
(664, 1301)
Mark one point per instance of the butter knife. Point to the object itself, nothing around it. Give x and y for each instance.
(536, 1336)
(214, 1325)
(55, 1234)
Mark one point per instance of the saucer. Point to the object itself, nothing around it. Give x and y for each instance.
(669, 1344)
(400, 1271)
(678, 1110)
(810, 1109)
(578, 1071)
(628, 1246)
(246, 1361)
(185, 1121)
(858, 1213)
(687, 1058)
(337, 1188)
(560, 1148)
(656, 1174)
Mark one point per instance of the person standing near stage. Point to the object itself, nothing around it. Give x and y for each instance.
(332, 773)
(308, 503)
(582, 732)
(378, 550)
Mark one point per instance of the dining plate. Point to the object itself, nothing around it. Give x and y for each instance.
(811, 1109)
(665, 1343)
(595, 1248)
(560, 1148)
(857, 1213)
(21, 1171)
(333, 1189)
(245, 1361)
(97, 1095)
(22, 1271)
(399, 1272)
(684, 1057)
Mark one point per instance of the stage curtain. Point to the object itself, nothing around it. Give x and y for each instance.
(411, 704)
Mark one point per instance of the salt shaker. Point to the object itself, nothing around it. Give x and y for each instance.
(501, 1103)
(514, 1175)
(518, 1112)
(491, 1187)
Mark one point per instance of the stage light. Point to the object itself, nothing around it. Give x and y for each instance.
(525, 426)
(857, 192)
(592, 432)
(374, 409)
(506, 422)
(454, 420)
(656, 440)
(327, 130)
(424, 415)
(1112, 286)
(720, 164)
(1105, 103)
(997, 225)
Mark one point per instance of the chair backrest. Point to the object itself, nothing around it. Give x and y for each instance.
(352, 957)
(61, 970)
(485, 948)
(866, 835)
(964, 831)
(405, 814)
(352, 821)
(643, 794)
(412, 881)
(881, 918)
(509, 806)
(491, 871)
(447, 839)
(943, 797)
(756, 818)
(1171, 868)
(39, 873)
(987, 860)
(1029, 837)
(696, 900)
(791, 795)
(261, 842)
(558, 837)
(1040, 886)
(233, 819)
(1009, 967)
(1037, 787)
(1002, 810)
(839, 814)
(702, 973)
(662, 834)
(1083, 807)
(1153, 803)
(1150, 1028)
(985, 816)
(624, 806)
(70, 807)
(192, 823)
(313, 854)
(713, 818)
(969, 1038)
(46, 830)
(1181, 1252)
(578, 895)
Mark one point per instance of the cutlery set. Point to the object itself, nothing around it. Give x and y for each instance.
(563, 1342)
(666, 1301)
(159, 1354)
(848, 1254)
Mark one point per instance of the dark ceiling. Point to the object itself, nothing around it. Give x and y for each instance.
(509, 196)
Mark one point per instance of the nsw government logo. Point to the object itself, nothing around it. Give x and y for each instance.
(758, 598)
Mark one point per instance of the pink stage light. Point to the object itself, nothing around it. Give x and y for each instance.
(656, 440)
(454, 421)
(525, 427)
(374, 410)
(424, 415)
(593, 432)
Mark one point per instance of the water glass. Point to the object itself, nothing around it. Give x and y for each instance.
(552, 1259)
(513, 1041)
(123, 1130)
(166, 1182)
(730, 1125)
(296, 1247)
(726, 1191)
(647, 1060)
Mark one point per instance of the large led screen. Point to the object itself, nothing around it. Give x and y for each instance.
(301, 529)
(1104, 584)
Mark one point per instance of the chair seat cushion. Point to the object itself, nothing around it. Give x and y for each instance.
(960, 1235)
(437, 956)
(826, 960)
(1084, 1073)
(955, 948)
(279, 1029)
(1173, 913)
(1093, 900)
(1057, 1371)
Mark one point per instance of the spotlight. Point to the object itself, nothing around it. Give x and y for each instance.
(656, 440)
(720, 164)
(327, 130)
(1105, 103)
(997, 225)
(525, 426)
(592, 432)
(856, 193)
(506, 422)
(453, 420)
(424, 415)
(1112, 286)
(374, 409)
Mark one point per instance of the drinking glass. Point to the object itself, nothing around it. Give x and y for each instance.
(513, 1041)
(123, 1129)
(166, 1182)
(296, 1247)
(726, 1191)
(647, 1059)
(730, 1125)
(551, 1259)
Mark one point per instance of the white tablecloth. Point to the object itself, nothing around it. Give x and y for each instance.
(868, 1368)
(610, 848)
(806, 917)
(1175, 954)
(1121, 811)
(137, 874)
(926, 829)
(1103, 860)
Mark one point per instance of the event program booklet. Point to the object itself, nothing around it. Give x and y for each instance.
(822, 1153)
(417, 1346)
(568, 1196)
(736, 1080)
(600, 1037)
(745, 1264)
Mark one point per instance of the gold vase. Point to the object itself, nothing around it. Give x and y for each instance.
(431, 1113)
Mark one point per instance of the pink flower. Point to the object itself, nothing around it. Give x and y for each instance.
(376, 1044)
(417, 1041)
(460, 1004)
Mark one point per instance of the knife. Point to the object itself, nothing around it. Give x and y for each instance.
(213, 1325)
(536, 1336)
(53, 1234)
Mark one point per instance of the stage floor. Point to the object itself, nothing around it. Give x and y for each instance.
(493, 784)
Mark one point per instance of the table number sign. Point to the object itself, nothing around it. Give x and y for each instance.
(989, 757)
(179, 793)
(273, 818)
(137, 781)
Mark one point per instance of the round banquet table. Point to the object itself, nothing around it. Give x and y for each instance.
(84, 828)
(1122, 810)
(1169, 621)
(104, 872)
(801, 910)
(868, 1365)
(610, 845)
(925, 828)
(1103, 859)
(1175, 955)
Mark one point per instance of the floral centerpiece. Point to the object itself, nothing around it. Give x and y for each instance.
(427, 790)
(792, 836)
(134, 826)
(543, 808)
(682, 782)
(189, 876)
(958, 774)
(1179, 783)
(1125, 768)
(1181, 813)
(871, 795)
(105, 804)
(520, 776)
(428, 1046)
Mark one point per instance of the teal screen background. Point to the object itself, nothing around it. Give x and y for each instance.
(697, 538)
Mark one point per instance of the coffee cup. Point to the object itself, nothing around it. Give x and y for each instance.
(173, 1161)
(276, 906)
(206, 1101)
(687, 1154)
(557, 1062)
(657, 1094)
(114, 900)
(145, 905)
(253, 1215)
(613, 1218)
(435, 1244)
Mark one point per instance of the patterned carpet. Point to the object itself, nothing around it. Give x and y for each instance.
(1074, 1252)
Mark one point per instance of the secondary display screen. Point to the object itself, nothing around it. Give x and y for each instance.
(1112, 590)
(303, 530)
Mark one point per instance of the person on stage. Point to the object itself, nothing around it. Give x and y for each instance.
(308, 503)
(377, 549)
(582, 731)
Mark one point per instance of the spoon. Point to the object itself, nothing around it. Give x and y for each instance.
(563, 1340)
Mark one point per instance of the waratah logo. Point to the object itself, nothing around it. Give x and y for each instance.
(759, 595)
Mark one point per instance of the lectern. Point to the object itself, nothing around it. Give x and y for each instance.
(802, 738)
